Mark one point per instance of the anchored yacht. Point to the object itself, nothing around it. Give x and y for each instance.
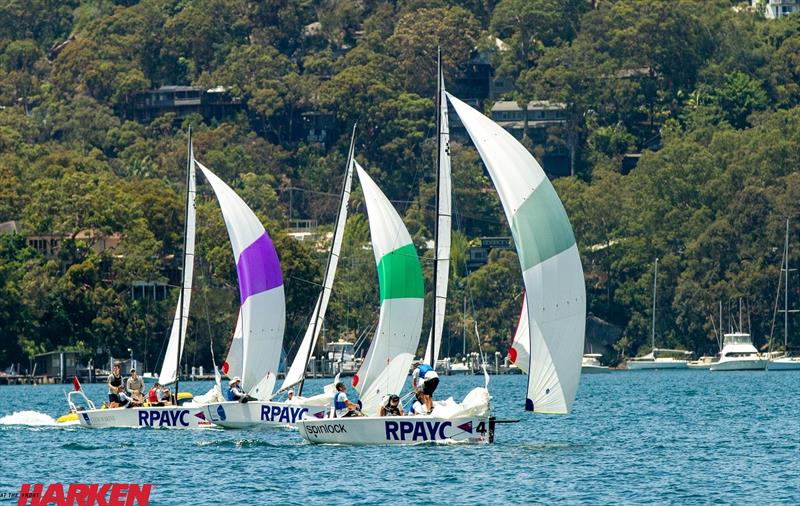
(739, 354)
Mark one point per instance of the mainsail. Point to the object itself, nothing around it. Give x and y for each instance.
(300, 363)
(444, 225)
(177, 337)
(548, 255)
(263, 304)
(234, 359)
(396, 338)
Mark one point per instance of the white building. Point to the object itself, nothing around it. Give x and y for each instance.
(774, 9)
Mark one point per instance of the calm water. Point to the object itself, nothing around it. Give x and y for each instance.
(680, 437)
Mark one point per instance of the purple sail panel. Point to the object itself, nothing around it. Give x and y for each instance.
(258, 268)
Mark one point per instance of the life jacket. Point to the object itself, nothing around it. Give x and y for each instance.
(423, 370)
(392, 410)
(337, 404)
(116, 381)
(151, 395)
(230, 396)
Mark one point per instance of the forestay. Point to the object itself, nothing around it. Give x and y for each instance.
(397, 335)
(177, 337)
(443, 229)
(549, 258)
(263, 304)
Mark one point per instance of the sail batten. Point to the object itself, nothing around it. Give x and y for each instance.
(555, 294)
(402, 291)
(262, 313)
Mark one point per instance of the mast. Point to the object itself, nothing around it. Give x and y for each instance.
(786, 292)
(183, 266)
(653, 330)
(350, 153)
(432, 340)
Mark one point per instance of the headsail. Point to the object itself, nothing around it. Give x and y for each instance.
(300, 363)
(520, 351)
(263, 304)
(168, 372)
(548, 254)
(444, 225)
(396, 338)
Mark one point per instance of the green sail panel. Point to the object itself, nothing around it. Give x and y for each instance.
(400, 274)
(540, 227)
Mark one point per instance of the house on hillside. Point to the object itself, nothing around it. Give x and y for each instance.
(145, 106)
(774, 9)
(49, 244)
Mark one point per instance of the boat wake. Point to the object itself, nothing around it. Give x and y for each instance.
(30, 418)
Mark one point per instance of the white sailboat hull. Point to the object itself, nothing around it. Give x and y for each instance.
(594, 369)
(744, 364)
(665, 363)
(784, 364)
(173, 417)
(396, 430)
(261, 415)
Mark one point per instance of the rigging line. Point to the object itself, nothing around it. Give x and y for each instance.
(777, 298)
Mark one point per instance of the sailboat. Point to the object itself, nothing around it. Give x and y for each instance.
(188, 415)
(785, 362)
(391, 352)
(267, 412)
(555, 296)
(652, 360)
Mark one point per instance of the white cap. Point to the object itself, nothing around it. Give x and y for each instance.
(235, 379)
(291, 391)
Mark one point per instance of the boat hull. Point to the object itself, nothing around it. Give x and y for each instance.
(173, 417)
(396, 430)
(595, 369)
(637, 365)
(256, 414)
(754, 364)
(784, 364)
(699, 366)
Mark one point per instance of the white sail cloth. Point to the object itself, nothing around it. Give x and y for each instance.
(548, 254)
(263, 303)
(443, 230)
(177, 336)
(397, 335)
(299, 364)
(520, 351)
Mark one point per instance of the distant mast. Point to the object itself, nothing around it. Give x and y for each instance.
(653, 330)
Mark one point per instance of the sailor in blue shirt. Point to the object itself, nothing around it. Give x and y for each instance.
(425, 380)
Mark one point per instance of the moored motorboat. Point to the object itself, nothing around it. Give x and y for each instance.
(739, 354)
(703, 362)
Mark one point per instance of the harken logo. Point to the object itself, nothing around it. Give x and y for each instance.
(80, 494)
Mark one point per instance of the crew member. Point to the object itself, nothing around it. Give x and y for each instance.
(424, 379)
(290, 395)
(135, 387)
(392, 407)
(235, 392)
(154, 395)
(115, 386)
(419, 408)
(343, 408)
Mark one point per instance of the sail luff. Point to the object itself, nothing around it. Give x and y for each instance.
(297, 371)
(170, 368)
(548, 255)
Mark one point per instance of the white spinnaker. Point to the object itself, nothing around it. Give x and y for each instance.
(443, 230)
(299, 364)
(551, 266)
(168, 372)
(520, 350)
(263, 304)
(402, 291)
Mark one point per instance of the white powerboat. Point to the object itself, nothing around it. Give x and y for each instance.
(590, 364)
(739, 354)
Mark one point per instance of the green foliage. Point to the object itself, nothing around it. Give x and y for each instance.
(718, 87)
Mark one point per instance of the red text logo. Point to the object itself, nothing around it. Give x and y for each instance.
(85, 494)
